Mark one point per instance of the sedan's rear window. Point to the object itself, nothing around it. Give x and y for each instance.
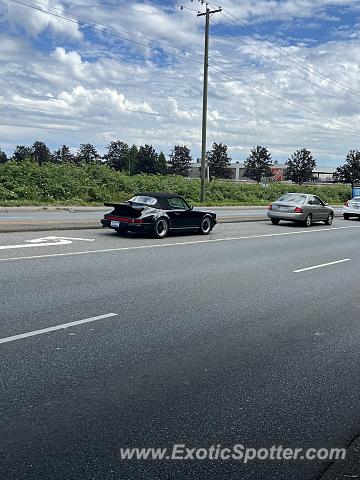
(144, 200)
(293, 198)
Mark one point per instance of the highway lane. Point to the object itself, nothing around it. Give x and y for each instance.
(214, 342)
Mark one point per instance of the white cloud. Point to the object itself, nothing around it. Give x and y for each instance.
(35, 22)
(100, 90)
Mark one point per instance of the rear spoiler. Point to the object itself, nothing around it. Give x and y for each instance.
(125, 204)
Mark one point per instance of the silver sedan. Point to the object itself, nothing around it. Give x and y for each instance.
(300, 207)
(352, 208)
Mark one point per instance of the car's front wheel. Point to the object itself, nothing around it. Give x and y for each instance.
(205, 225)
(346, 216)
(308, 221)
(329, 219)
(275, 221)
(161, 228)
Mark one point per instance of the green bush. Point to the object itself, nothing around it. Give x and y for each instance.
(29, 183)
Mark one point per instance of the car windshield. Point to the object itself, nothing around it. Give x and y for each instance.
(144, 200)
(293, 198)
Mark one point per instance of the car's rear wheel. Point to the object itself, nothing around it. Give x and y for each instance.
(275, 221)
(161, 228)
(205, 225)
(346, 216)
(308, 221)
(120, 230)
(329, 219)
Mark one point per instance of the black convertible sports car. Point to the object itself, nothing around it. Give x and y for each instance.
(158, 214)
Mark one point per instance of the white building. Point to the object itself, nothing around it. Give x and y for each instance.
(237, 169)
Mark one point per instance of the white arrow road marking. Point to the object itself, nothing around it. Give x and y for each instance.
(57, 327)
(44, 239)
(45, 242)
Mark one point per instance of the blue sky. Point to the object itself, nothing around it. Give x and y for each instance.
(283, 74)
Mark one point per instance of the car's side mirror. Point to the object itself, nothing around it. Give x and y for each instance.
(326, 204)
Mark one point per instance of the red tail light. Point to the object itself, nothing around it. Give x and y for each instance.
(270, 206)
(138, 220)
(298, 210)
(346, 204)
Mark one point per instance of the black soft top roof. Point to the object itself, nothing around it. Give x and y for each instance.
(158, 194)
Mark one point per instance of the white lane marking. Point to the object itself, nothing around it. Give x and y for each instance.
(322, 265)
(57, 327)
(45, 242)
(158, 245)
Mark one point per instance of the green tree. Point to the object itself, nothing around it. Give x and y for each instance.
(22, 153)
(300, 166)
(161, 164)
(3, 157)
(133, 153)
(147, 160)
(350, 171)
(63, 155)
(117, 156)
(87, 153)
(180, 161)
(218, 161)
(40, 153)
(258, 164)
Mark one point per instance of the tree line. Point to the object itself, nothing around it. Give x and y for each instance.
(144, 159)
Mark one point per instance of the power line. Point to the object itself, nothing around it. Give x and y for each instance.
(292, 58)
(77, 22)
(281, 99)
(289, 70)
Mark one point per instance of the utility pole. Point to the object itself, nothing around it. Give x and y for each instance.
(207, 15)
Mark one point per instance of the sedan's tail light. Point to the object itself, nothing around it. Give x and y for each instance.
(346, 204)
(138, 220)
(298, 210)
(270, 206)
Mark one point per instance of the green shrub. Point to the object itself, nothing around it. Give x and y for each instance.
(29, 183)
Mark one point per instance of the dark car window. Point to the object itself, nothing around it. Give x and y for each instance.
(317, 201)
(177, 202)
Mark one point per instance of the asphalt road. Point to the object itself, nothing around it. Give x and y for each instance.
(216, 341)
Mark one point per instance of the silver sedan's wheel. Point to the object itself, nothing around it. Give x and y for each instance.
(329, 219)
(308, 220)
(346, 216)
(161, 228)
(205, 225)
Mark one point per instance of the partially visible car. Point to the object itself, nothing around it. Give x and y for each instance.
(300, 207)
(351, 208)
(158, 213)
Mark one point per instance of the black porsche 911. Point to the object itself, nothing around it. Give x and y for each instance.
(158, 214)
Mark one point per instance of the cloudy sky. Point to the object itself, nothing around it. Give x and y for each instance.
(283, 74)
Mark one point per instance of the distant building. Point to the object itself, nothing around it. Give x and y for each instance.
(237, 169)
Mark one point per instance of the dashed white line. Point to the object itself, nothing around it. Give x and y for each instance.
(57, 327)
(322, 265)
(159, 245)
